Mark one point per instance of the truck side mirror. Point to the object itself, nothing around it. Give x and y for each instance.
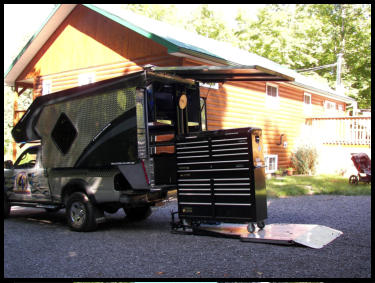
(8, 164)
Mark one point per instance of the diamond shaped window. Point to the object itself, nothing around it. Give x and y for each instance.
(64, 133)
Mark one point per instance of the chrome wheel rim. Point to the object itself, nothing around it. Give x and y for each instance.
(77, 214)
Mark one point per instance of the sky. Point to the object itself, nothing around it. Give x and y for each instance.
(20, 22)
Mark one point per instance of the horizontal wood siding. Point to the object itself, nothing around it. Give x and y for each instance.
(236, 105)
(69, 79)
(86, 38)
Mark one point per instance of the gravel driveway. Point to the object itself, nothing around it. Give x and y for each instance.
(39, 244)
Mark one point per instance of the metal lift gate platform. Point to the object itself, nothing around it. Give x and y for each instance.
(309, 235)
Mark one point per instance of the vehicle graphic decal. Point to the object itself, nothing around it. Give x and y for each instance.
(21, 184)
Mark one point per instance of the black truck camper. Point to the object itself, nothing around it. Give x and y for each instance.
(148, 128)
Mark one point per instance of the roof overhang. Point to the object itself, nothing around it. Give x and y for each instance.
(225, 73)
(326, 93)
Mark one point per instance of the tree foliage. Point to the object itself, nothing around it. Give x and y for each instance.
(24, 102)
(161, 12)
(206, 22)
(297, 36)
(304, 36)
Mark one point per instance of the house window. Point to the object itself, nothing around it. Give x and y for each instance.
(271, 163)
(84, 79)
(307, 106)
(210, 85)
(330, 107)
(46, 87)
(340, 107)
(272, 97)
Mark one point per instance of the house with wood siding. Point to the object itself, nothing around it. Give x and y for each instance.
(81, 44)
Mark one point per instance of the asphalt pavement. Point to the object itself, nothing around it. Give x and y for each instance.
(38, 244)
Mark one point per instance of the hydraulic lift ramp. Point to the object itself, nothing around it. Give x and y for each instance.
(309, 235)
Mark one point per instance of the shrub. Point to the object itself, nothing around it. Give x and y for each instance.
(280, 171)
(304, 159)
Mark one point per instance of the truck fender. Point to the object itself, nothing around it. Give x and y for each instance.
(76, 185)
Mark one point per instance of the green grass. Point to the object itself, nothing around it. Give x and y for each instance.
(314, 185)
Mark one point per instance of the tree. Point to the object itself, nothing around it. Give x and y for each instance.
(303, 36)
(24, 102)
(160, 12)
(349, 28)
(8, 122)
(202, 20)
(206, 22)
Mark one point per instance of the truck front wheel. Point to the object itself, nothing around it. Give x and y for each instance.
(80, 213)
(137, 213)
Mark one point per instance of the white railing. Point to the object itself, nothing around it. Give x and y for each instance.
(342, 130)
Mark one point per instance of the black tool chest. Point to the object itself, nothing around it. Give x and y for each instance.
(220, 176)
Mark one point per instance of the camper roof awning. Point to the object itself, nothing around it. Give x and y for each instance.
(226, 73)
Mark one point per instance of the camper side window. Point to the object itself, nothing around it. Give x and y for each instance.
(64, 133)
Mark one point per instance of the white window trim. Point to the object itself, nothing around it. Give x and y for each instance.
(266, 161)
(333, 109)
(86, 78)
(271, 101)
(46, 87)
(307, 107)
(209, 85)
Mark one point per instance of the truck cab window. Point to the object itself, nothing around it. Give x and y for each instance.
(27, 159)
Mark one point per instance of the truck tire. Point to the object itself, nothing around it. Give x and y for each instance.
(137, 213)
(6, 206)
(80, 213)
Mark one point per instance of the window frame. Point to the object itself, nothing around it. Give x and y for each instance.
(30, 151)
(46, 87)
(86, 78)
(267, 158)
(209, 85)
(307, 107)
(330, 110)
(272, 101)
